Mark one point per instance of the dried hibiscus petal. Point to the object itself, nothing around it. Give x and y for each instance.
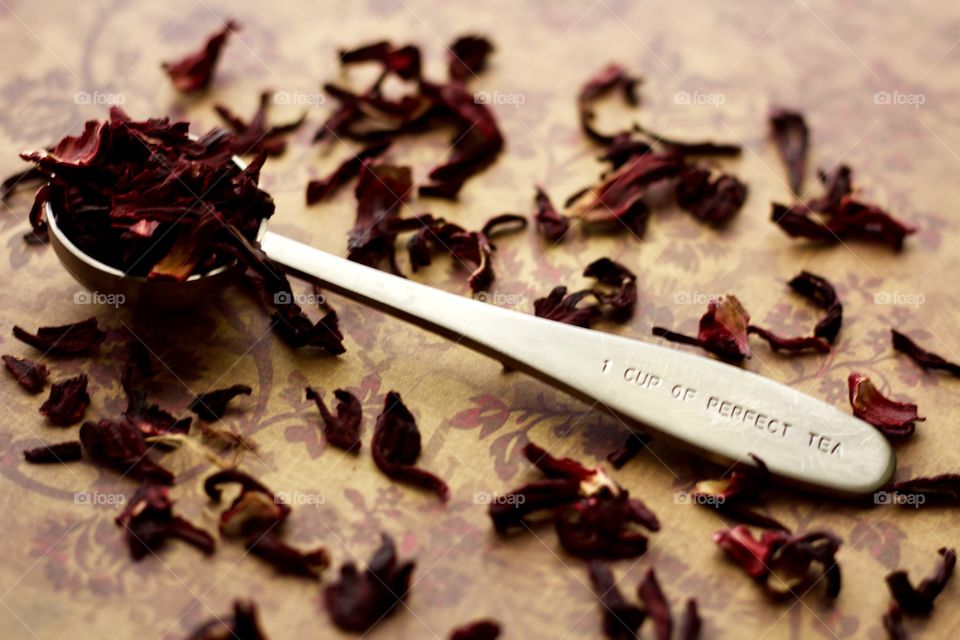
(943, 488)
(67, 402)
(32, 376)
(893, 419)
(255, 136)
(635, 443)
(195, 71)
(690, 624)
(319, 190)
(782, 562)
(800, 343)
(270, 548)
(255, 511)
(381, 192)
(723, 330)
(79, 338)
(480, 630)
(342, 430)
(241, 625)
(396, 447)
(715, 201)
(924, 358)
(656, 605)
(561, 307)
(60, 452)
(618, 304)
(358, 601)
(621, 619)
(120, 446)
(468, 57)
(613, 274)
(822, 293)
(919, 600)
(741, 484)
(612, 78)
(893, 623)
(150, 419)
(213, 404)
(551, 224)
(792, 137)
(149, 522)
(851, 220)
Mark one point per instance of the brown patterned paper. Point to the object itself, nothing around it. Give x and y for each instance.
(877, 84)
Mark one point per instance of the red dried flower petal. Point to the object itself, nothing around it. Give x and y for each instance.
(893, 623)
(943, 488)
(511, 510)
(621, 619)
(380, 192)
(120, 446)
(32, 376)
(551, 224)
(60, 452)
(149, 522)
(656, 604)
(467, 57)
(690, 625)
(924, 358)
(635, 443)
(557, 468)
(255, 136)
(723, 330)
(893, 419)
(480, 630)
(319, 190)
(195, 71)
(213, 404)
(358, 601)
(403, 61)
(270, 548)
(80, 338)
(716, 201)
(559, 306)
(618, 304)
(600, 525)
(255, 511)
(611, 78)
(852, 220)
(242, 625)
(822, 293)
(67, 402)
(151, 420)
(800, 343)
(342, 430)
(919, 600)
(836, 185)
(741, 484)
(396, 447)
(792, 137)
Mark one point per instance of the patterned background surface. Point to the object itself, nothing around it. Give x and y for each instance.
(66, 571)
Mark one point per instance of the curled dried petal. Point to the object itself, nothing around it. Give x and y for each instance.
(121, 446)
(149, 522)
(213, 404)
(396, 447)
(893, 419)
(32, 376)
(60, 452)
(925, 359)
(621, 619)
(80, 338)
(68, 401)
(195, 71)
(792, 137)
(723, 330)
(919, 600)
(342, 430)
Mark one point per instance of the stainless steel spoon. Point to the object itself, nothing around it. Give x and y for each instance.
(719, 411)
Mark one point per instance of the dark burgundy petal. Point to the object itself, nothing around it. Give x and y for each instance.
(613, 274)
(32, 376)
(790, 562)
(924, 358)
(853, 220)
(120, 446)
(800, 343)
(468, 57)
(919, 600)
(739, 544)
(893, 419)
(712, 201)
(195, 71)
(270, 548)
(822, 293)
(381, 192)
(732, 494)
(561, 307)
(60, 452)
(551, 224)
(319, 190)
(837, 185)
(213, 404)
(480, 630)
(254, 512)
(67, 402)
(396, 447)
(621, 619)
(149, 522)
(358, 601)
(403, 61)
(723, 330)
(943, 488)
(893, 623)
(611, 78)
(656, 605)
(512, 510)
(242, 625)
(792, 137)
(562, 468)
(690, 624)
(80, 338)
(255, 136)
(342, 430)
(635, 443)
(605, 525)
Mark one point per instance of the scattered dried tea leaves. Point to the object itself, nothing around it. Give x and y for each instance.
(80, 338)
(634, 444)
(51, 453)
(919, 600)
(121, 447)
(396, 447)
(381, 192)
(149, 522)
(782, 562)
(610, 79)
(213, 404)
(893, 419)
(712, 200)
(723, 330)
(342, 430)
(480, 630)
(594, 517)
(255, 136)
(550, 223)
(358, 601)
(731, 495)
(616, 299)
(241, 625)
(818, 290)
(32, 376)
(195, 71)
(322, 189)
(792, 137)
(68, 401)
(621, 618)
(925, 359)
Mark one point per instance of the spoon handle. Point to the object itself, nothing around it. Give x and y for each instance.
(717, 410)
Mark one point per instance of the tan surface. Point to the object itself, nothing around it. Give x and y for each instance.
(66, 571)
